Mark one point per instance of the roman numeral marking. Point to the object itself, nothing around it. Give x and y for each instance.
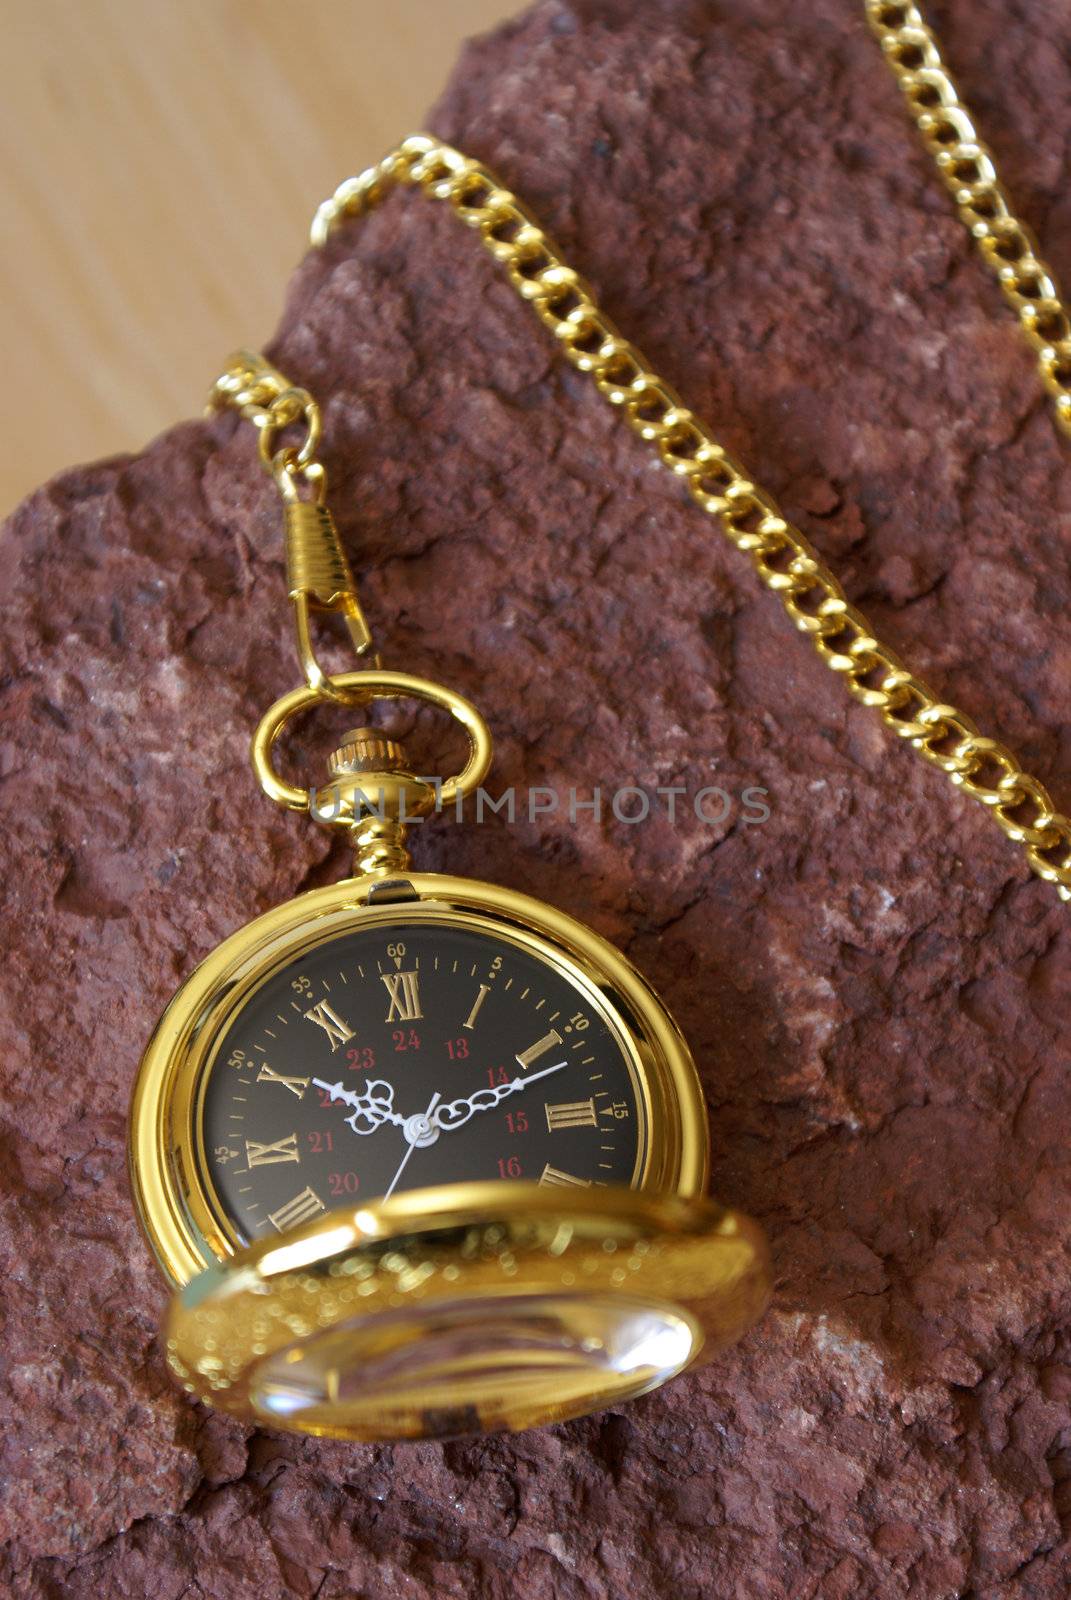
(332, 1024)
(302, 1208)
(404, 996)
(572, 1114)
(541, 1046)
(266, 1155)
(474, 1013)
(295, 1085)
(552, 1175)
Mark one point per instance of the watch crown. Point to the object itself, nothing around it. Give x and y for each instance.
(366, 750)
(374, 795)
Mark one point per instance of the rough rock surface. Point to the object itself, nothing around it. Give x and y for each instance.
(875, 989)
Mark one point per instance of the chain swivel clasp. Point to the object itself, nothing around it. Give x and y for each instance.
(319, 577)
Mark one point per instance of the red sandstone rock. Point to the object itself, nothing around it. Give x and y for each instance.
(875, 990)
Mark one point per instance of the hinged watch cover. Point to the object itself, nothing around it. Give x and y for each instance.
(472, 1307)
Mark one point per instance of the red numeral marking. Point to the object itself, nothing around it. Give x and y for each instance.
(497, 1075)
(406, 1039)
(509, 1167)
(343, 1183)
(457, 1049)
(360, 1058)
(320, 1142)
(517, 1121)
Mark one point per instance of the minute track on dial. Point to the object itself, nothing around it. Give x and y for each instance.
(292, 1075)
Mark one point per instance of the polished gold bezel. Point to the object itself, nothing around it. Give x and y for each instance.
(177, 1207)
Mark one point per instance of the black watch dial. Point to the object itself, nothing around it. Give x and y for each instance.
(407, 1054)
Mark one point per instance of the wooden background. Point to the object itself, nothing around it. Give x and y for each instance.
(160, 166)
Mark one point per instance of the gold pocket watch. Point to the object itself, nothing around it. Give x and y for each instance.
(419, 1155)
(424, 1155)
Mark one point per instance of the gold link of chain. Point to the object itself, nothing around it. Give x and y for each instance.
(319, 578)
(965, 166)
(749, 517)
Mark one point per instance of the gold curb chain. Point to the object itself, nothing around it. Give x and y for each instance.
(810, 593)
(966, 167)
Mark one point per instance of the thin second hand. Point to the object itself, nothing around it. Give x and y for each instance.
(436, 1097)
